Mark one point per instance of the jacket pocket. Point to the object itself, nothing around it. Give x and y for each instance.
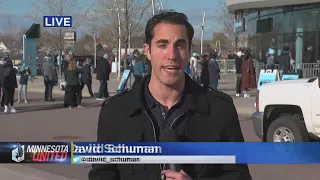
(131, 169)
(129, 137)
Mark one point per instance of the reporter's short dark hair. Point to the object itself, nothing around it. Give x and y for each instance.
(171, 17)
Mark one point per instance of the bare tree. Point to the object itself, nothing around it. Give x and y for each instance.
(10, 35)
(42, 8)
(226, 19)
(133, 14)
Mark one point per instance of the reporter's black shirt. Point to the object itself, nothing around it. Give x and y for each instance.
(164, 119)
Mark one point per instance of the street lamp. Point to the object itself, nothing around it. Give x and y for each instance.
(95, 51)
(152, 4)
(202, 31)
(119, 41)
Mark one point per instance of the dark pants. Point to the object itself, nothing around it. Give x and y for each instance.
(103, 89)
(48, 90)
(9, 96)
(238, 84)
(1, 96)
(74, 91)
(137, 79)
(214, 84)
(89, 86)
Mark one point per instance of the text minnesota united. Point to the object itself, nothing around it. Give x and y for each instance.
(119, 148)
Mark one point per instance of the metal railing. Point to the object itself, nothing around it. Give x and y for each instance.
(228, 70)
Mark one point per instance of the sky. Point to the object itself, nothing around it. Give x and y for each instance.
(18, 9)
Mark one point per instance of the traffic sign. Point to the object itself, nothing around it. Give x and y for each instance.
(114, 50)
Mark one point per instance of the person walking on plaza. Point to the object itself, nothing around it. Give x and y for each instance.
(205, 80)
(86, 77)
(284, 61)
(50, 77)
(72, 74)
(138, 69)
(103, 72)
(194, 66)
(238, 63)
(2, 61)
(271, 59)
(214, 71)
(168, 103)
(248, 73)
(25, 73)
(9, 84)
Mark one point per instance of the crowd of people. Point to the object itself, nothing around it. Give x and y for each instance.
(77, 75)
(205, 70)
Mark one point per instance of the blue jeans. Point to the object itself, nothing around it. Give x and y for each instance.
(214, 84)
(22, 88)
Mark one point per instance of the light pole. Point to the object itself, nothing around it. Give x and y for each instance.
(129, 38)
(202, 30)
(119, 41)
(152, 4)
(95, 51)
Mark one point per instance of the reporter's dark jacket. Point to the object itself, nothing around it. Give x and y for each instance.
(210, 116)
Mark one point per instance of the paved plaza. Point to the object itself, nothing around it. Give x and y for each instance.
(49, 121)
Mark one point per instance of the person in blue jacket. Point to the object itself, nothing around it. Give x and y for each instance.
(188, 70)
(138, 69)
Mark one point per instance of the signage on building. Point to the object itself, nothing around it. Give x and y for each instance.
(239, 25)
(70, 36)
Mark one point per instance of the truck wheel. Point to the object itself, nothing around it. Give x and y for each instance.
(287, 129)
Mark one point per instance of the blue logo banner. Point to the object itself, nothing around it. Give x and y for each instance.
(251, 153)
(290, 76)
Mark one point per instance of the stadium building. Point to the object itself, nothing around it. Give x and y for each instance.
(274, 23)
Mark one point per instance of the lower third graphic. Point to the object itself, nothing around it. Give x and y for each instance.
(17, 154)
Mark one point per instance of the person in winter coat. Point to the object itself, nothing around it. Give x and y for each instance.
(9, 84)
(205, 81)
(50, 77)
(1, 81)
(248, 73)
(73, 88)
(238, 62)
(138, 70)
(23, 84)
(214, 72)
(86, 77)
(103, 72)
(284, 61)
(271, 59)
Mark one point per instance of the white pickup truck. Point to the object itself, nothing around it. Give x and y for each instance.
(288, 111)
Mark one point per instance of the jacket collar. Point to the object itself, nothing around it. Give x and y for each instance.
(194, 100)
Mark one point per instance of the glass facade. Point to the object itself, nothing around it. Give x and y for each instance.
(295, 26)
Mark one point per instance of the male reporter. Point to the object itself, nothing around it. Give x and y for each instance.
(169, 99)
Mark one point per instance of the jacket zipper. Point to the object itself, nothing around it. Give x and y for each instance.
(154, 130)
(154, 135)
(176, 120)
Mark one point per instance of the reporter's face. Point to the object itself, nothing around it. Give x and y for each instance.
(169, 52)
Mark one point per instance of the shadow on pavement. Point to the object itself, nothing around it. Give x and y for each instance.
(25, 109)
(57, 99)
